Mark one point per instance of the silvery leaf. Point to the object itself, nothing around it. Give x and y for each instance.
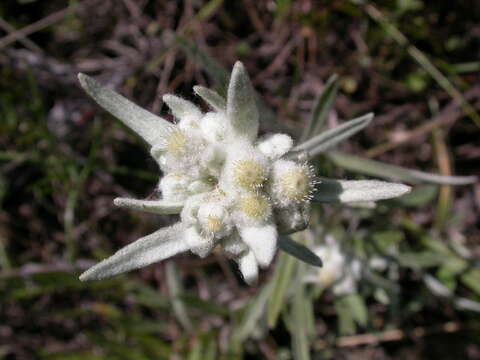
(149, 126)
(152, 248)
(241, 107)
(212, 98)
(321, 109)
(378, 168)
(152, 206)
(330, 190)
(298, 250)
(181, 108)
(332, 137)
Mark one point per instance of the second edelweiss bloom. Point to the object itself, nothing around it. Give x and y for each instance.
(230, 188)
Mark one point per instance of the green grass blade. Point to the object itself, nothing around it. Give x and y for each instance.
(321, 109)
(175, 287)
(422, 60)
(253, 313)
(299, 322)
(332, 137)
(380, 169)
(281, 280)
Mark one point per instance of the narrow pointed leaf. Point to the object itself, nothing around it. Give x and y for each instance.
(151, 206)
(181, 108)
(301, 348)
(149, 126)
(332, 137)
(383, 170)
(152, 248)
(330, 190)
(298, 250)
(242, 110)
(281, 279)
(321, 109)
(176, 290)
(212, 98)
(252, 314)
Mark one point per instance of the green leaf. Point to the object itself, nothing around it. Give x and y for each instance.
(420, 260)
(346, 322)
(299, 322)
(176, 290)
(472, 280)
(298, 250)
(252, 314)
(345, 191)
(358, 308)
(419, 196)
(383, 170)
(149, 126)
(205, 307)
(327, 139)
(321, 109)
(281, 280)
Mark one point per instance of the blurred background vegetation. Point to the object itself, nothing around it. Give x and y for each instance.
(62, 159)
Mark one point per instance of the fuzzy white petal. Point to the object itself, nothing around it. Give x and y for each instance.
(174, 187)
(152, 248)
(276, 146)
(214, 127)
(262, 240)
(248, 267)
(198, 244)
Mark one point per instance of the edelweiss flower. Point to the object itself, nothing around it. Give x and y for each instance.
(340, 271)
(230, 188)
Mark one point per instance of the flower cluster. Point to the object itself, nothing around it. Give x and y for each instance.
(230, 188)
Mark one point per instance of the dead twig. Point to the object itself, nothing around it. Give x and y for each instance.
(37, 26)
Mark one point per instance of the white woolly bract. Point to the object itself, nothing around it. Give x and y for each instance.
(275, 146)
(248, 266)
(262, 240)
(174, 187)
(214, 127)
(214, 219)
(198, 242)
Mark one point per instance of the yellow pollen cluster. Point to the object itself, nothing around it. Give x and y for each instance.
(176, 142)
(296, 185)
(254, 206)
(213, 224)
(249, 174)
